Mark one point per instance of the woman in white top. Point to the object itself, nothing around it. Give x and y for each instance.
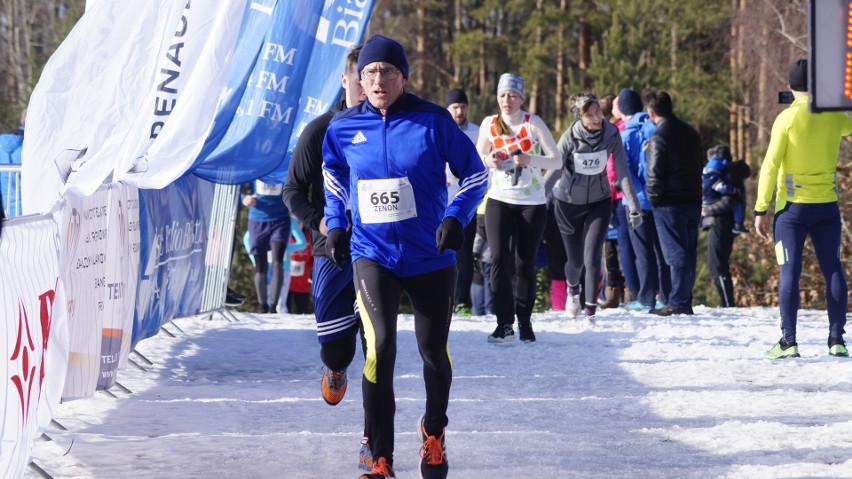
(518, 147)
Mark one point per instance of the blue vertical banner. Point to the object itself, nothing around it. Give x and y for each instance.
(174, 222)
(279, 82)
(341, 27)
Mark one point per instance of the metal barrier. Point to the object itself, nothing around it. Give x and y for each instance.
(220, 240)
(10, 188)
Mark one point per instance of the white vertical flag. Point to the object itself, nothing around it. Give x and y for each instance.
(130, 93)
(89, 94)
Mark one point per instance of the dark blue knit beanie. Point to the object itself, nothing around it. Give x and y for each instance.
(629, 102)
(380, 48)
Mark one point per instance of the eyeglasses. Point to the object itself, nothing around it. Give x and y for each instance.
(387, 74)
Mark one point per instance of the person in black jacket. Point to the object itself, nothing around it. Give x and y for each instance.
(333, 291)
(675, 160)
(718, 220)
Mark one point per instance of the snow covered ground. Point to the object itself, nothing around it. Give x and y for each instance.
(639, 396)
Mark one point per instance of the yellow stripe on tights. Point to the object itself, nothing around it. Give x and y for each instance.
(370, 339)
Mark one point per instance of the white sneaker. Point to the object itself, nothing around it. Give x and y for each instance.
(573, 304)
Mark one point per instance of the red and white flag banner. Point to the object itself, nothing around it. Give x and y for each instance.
(29, 270)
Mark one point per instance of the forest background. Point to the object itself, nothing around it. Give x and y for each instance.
(723, 62)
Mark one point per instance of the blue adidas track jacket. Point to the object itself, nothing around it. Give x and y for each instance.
(415, 141)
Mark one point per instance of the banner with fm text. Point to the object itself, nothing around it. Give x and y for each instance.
(285, 73)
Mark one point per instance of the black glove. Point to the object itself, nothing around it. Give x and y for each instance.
(337, 247)
(449, 235)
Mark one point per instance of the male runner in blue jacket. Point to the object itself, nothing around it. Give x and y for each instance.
(386, 158)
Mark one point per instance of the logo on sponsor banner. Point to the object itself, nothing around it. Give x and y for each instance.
(24, 349)
(24, 352)
(122, 227)
(45, 300)
(72, 232)
(341, 25)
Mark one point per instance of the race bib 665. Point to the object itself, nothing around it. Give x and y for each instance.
(386, 201)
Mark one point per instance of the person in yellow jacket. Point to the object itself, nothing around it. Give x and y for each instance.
(800, 168)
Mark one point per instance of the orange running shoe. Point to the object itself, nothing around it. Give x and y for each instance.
(333, 386)
(380, 470)
(433, 454)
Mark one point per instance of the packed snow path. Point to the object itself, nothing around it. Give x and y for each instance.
(638, 396)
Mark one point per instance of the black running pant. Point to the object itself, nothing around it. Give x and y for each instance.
(431, 294)
(524, 223)
(720, 243)
(464, 264)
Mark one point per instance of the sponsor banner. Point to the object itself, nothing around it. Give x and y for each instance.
(120, 279)
(295, 77)
(178, 85)
(257, 21)
(99, 261)
(29, 269)
(341, 26)
(129, 249)
(260, 126)
(174, 223)
(183, 98)
(83, 263)
(90, 93)
(129, 95)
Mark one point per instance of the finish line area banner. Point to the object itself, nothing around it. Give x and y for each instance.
(139, 120)
(33, 344)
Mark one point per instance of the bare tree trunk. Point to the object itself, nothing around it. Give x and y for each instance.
(457, 29)
(534, 90)
(15, 72)
(741, 124)
(674, 41)
(732, 108)
(584, 53)
(762, 90)
(748, 140)
(483, 72)
(560, 68)
(420, 48)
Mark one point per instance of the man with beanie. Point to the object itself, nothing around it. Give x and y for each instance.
(387, 158)
(456, 103)
(654, 274)
(675, 160)
(801, 164)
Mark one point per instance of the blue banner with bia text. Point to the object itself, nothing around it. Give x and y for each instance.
(174, 222)
(290, 54)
